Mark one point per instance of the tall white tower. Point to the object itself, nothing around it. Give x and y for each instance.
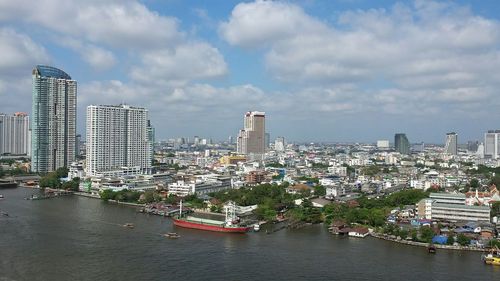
(14, 134)
(117, 139)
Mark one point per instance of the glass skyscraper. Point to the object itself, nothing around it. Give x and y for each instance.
(53, 121)
(401, 144)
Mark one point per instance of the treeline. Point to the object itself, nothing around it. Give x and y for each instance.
(53, 180)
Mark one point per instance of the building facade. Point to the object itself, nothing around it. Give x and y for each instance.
(117, 140)
(492, 144)
(53, 123)
(401, 144)
(451, 144)
(251, 139)
(15, 134)
(279, 144)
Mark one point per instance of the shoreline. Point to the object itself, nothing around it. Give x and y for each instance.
(422, 244)
(129, 204)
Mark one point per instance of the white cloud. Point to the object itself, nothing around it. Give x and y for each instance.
(19, 54)
(177, 66)
(428, 45)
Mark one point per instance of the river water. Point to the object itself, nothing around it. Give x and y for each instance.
(77, 238)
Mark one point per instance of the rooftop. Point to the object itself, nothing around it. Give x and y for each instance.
(447, 195)
(49, 71)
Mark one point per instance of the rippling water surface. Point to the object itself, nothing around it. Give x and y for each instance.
(76, 238)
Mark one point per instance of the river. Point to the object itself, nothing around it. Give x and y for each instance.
(77, 238)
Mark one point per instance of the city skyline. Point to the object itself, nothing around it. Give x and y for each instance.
(198, 64)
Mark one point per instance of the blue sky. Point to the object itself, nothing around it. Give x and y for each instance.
(346, 70)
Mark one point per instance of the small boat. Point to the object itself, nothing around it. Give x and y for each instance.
(493, 257)
(1, 196)
(172, 235)
(129, 225)
(431, 249)
(256, 227)
(5, 214)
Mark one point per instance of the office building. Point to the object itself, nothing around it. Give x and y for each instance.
(491, 144)
(14, 134)
(251, 139)
(383, 144)
(267, 139)
(401, 144)
(279, 144)
(451, 144)
(53, 123)
(472, 146)
(118, 140)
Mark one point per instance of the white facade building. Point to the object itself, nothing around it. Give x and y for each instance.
(383, 144)
(117, 140)
(492, 144)
(15, 134)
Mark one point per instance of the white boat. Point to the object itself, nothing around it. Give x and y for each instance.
(256, 227)
(1, 196)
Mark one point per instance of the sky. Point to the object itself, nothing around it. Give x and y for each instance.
(336, 71)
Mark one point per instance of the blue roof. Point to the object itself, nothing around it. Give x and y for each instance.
(49, 71)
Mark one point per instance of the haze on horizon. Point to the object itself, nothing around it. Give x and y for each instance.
(321, 70)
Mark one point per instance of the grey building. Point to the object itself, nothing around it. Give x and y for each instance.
(53, 121)
(451, 144)
(401, 143)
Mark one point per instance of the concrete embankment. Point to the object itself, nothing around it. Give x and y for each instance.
(110, 201)
(421, 244)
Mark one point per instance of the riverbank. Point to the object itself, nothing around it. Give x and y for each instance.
(422, 244)
(83, 194)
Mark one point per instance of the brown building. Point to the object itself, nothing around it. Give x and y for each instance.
(255, 177)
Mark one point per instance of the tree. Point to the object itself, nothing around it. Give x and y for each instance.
(2, 172)
(426, 234)
(495, 209)
(62, 172)
(319, 190)
(450, 240)
(463, 240)
(107, 194)
(474, 183)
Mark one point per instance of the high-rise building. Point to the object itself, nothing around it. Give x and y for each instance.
(383, 144)
(78, 143)
(451, 144)
(401, 143)
(251, 139)
(53, 122)
(472, 146)
(14, 134)
(492, 144)
(267, 139)
(279, 144)
(118, 141)
(151, 140)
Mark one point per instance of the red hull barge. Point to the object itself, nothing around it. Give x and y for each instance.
(208, 227)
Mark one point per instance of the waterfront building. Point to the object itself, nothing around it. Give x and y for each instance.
(383, 144)
(53, 123)
(431, 209)
(401, 143)
(451, 144)
(251, 139)
(118, 140)
(14, 134)
(492, 144)
(279, 144)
